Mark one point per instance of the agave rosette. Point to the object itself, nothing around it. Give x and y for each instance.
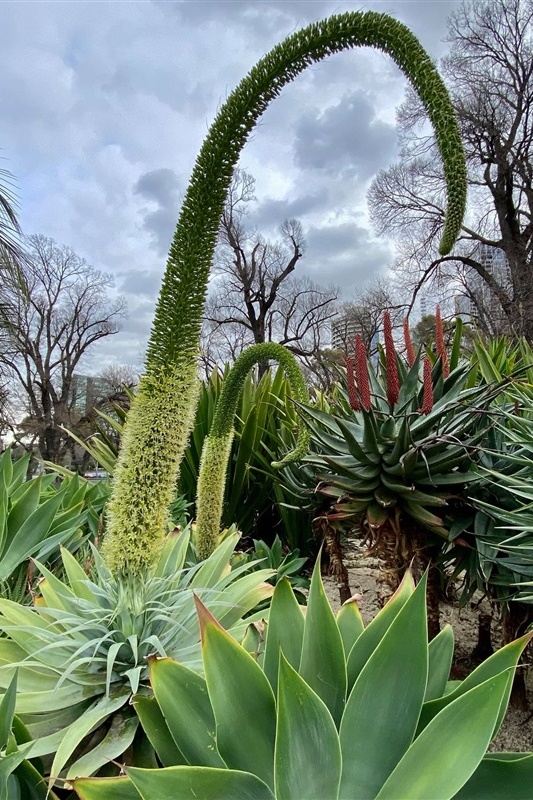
(81, 652)
(325, 708)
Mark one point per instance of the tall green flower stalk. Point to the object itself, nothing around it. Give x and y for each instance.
(161, 416)
(217, 446)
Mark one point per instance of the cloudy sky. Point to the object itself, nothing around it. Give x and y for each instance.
(104, 106)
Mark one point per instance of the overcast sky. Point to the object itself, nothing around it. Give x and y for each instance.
(104, 106)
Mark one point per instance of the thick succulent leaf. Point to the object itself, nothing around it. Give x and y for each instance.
(440, 653)
(350, 624)
(7, 711)
(106, 789)
(242, 700)
(323, 664)
(43, 742)
(348, 442)
(450, 748)
(77, 577)
(382, 711)
(89, 720)
(193, 783)
(284, 631)
(56, 594)
(157, 731)
(425, 517)
(53, 700)
(410, 384)
(6, 467)
(8, 765)
(32, 632)
(351, 468)
(376, 515)
(502, 660)
(116, 741)
(305, 734)
(243, 595)
(28, 536)
(184, 702)
(369, 639)
(214, 567)
(24, 503)
(31, 783)
(500, 776)
(173, 554)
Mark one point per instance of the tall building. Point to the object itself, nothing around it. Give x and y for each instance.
(87, 391)
(344, 329)
(483, 302)
(346, 326)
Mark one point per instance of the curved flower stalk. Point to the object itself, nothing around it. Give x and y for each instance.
(161, 416)
(217, 446)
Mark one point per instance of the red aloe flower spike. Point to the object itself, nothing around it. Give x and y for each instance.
(352, 391)
(439, 342)
(393, 383)
(361, 372)
(427, 397)
(410, 350)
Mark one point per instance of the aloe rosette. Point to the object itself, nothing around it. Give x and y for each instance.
(394, 458)
(323, 708)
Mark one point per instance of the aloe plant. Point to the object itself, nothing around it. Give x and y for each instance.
(162, 412)
(326, 709)
(397, 456)
(81, 652)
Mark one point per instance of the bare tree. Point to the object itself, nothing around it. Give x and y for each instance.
(255, 297)
(46, 329)
(489, 71)
(364, 314)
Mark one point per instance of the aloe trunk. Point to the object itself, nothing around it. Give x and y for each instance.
(162, 413)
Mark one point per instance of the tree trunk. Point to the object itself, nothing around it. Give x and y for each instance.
(399, 550)
(483, 648)
(330, 536)
(515, 622)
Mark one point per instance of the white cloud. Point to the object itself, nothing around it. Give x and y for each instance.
(99, 99)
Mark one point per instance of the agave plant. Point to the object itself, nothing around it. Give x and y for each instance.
(256, 497)
(37, 518)
(400, 453)
(216, 449)
(326, 709)
(162, 413)
(286, 564)
(81, 652)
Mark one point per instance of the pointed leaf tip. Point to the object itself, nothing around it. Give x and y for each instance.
(205, 617)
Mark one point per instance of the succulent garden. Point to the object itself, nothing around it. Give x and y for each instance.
(165, 633)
